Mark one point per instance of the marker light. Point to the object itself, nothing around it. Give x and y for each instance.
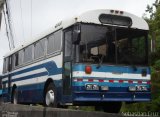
(88, 69)
(116, 12)
(121, 12)
(112, 11)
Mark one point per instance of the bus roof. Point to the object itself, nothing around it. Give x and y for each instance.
(87, 17)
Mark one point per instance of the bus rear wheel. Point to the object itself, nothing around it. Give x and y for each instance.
(50, 96)
(14, 99)
(112, 107)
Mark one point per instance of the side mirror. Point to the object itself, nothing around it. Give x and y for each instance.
(76, 36)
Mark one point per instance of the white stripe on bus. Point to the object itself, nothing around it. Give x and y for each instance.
(29, 73)
(110, 75)
(36, 80)
(55, 59)
(5, 79)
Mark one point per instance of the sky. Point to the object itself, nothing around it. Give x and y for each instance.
(31, 17)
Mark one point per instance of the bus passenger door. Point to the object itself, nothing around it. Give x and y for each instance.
(67, 65)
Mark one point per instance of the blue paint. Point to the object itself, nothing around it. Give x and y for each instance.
(109, 68)
(111, 90)
(28, 77)
(33, 93)
(50, 66)
(0, 92)
(111, 96)
(117, 91)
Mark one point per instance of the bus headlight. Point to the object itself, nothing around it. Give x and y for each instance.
(92, 87)
(137, 88)
(142, 88)
(88, 87)
(95, 87)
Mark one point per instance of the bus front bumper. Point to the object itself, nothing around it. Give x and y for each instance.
(111, 96)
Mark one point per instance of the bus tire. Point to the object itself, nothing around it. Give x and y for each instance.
(50, 99)
(14, 99)
(112, 107)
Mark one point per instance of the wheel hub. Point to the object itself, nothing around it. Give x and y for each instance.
(49, 97)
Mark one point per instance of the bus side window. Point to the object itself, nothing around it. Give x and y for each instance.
(54, 42)
(58, 37)
(39, 50)
(28, 53)
(10, 67)
(4, 65)
(16, 59)
(68, 43)
(50, 44)
(7, 64)
(20, 57)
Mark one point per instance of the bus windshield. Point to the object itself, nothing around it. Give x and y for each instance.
(112, 45)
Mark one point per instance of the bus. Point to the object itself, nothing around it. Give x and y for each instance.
(99, 58)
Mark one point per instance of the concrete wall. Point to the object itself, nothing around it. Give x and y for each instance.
(9, 110)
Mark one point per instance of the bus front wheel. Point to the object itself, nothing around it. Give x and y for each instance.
(50, 96)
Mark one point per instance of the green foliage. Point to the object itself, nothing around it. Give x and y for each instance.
(156, 22)
(157, 65)
(154, 56)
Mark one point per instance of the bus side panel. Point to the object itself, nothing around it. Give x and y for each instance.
(30, 80)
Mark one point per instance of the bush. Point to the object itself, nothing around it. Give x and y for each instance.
(157, 65)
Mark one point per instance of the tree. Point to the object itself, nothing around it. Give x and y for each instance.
(154, 24)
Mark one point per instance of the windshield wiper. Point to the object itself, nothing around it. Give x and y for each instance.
(100, 61)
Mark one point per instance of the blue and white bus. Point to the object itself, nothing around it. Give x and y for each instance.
(98, 58)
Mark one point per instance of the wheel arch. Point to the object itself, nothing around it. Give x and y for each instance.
(48, 81)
